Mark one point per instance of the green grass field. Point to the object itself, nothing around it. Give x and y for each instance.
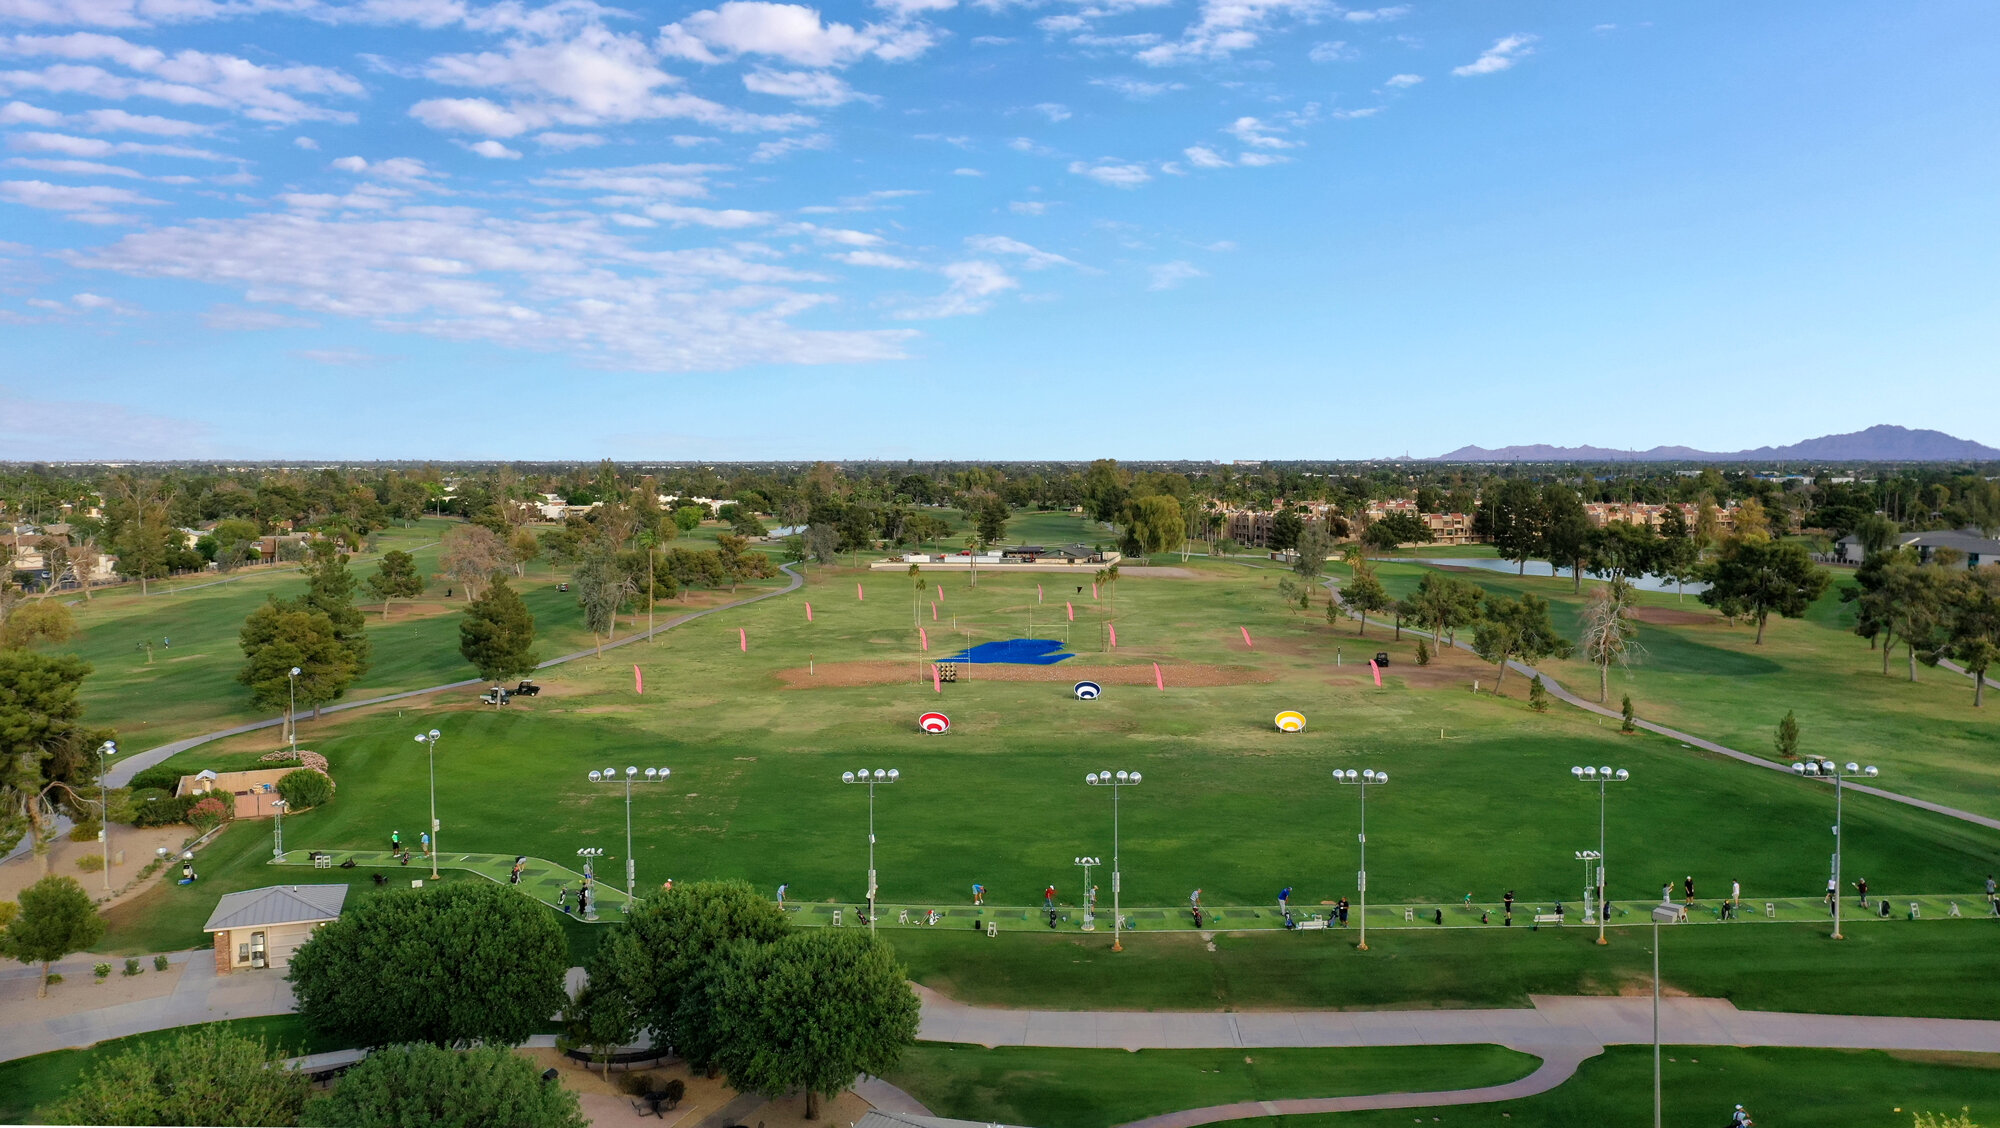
(1098, 1088)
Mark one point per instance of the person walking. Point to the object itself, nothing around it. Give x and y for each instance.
(978, 893)
(1862, 887)
(1832, 892)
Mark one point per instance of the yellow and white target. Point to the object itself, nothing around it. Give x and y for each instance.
(1289, 721)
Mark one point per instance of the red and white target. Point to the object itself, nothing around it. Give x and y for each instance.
(934, 722)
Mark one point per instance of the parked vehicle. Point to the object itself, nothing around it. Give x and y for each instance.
(498, 695)
(526, 689)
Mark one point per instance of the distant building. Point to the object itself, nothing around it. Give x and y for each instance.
(252, 791)
(261, 928)
(1973, 547)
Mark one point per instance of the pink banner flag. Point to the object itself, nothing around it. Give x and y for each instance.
(1246, 637)
(925, 636)
(1038, 593)
(1377, 671)
(933, 612)
(809, 612)
(1159, 679)
(1114, 635)
(743, 640)
(937, 679)
(638, 680)
(940, 588)
(1071, 608)
(859, 594)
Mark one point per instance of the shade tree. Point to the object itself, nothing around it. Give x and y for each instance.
(205, 1074)
(1511, 629)
(1753, 577)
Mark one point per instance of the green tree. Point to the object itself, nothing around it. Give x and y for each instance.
(1157, 522)
(448, 964)
(1627, 720)
(1516, 629)
(45, 751)
(200, 1075)
(396, 577)
(1314, 546)
(483, 1087)
(305, 789)
(688, 518)
(278, 637)
(141, 533)
(602, 587)
(1753, 578)
(813, 1010)
(1512, 518)
(1538, 695)
(1442, 604)
(600, 1019)
(56, 918)
(1787, 741)
(1388, 533)
(1363, 594)
(330, 591)
(1286, 528)
(38, 623)
(1566, 532)
(662, 960)
(497, 634)
(1621, 551)
(1973, 637)
(233, 540)
(1676, 557)
(991, 519)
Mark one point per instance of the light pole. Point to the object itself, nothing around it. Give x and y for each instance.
(292, 710)
(1116, 783)
(278, 829)
(1839, 774)
(610, 775)
(1362, 781)
(1602, 777)
(871, 779)
(1669, 915)
(430, 741)
(1089, 903)
(104, 751)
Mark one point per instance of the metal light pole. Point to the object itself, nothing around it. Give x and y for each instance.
(1839, 774)
(1669, 915)
(610, 775)
(278, 829)
(1362, 781)
(1602, 777)
(292, 710)
(871, 779)
(1089, 903)
(105, 750)
(1116, 783)
(430, 741)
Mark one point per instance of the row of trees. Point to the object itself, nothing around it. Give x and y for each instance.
(1934, 610)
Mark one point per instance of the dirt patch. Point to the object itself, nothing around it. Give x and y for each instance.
(80, 990)
(136, 844)
(841, 675)
(1672, 617)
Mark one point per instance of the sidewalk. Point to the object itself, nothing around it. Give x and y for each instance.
(200, 996)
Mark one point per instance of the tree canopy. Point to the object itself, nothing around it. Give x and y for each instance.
(483, 1087)
(448, 964)
(56, 918)
(199, 1075)
(497, 634)
(45, 751)
(1753, 577)
(1516, 628)
(396, 577)
(279, 636)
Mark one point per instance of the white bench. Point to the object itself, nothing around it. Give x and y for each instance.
(1306, 925)
(1548, 918)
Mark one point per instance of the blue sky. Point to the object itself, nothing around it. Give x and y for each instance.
(941, 228)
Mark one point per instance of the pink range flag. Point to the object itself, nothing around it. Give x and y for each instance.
(925, 636)
(1071, 608)
(809, 612)
(940, 588)
(1246, 637)
(743, 640)
(1377, 671)
(933, 612)
(1159, 679)
(1114, 635)
(638, 680)
(1038, 593)
(937, 679)
(860, 595)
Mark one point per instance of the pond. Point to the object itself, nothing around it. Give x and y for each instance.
(1542, 568)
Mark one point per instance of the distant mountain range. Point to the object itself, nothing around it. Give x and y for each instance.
(1876, 444)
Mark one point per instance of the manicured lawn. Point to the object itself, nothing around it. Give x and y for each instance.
(1095, 1088)
(29, 1083)
(1701, 1085)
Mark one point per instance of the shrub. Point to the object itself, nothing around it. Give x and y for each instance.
(1626, 713)
(162, 810)
(209, 812)
(636, 1084)
(102, 971)
(159, 776)
(90, 863)
(1423, 653)
(159, 963)
(120, 806)
(1788, 736)
(1538, 695)
(85, 831)
(132, 966)
(305, 788)
(675, 1090)
(54, 978)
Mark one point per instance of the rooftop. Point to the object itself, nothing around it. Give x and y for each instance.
(277, 904)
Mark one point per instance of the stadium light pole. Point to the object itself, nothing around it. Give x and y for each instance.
(871, 779)
(430, 741)
(1602, 777)
(610, 775)
(1670, 915)
(1362, 781)
(1116, 782)
(278, 829)
(292, 710)
(1839, 774)
(104, 751)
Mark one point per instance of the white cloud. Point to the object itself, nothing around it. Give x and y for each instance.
(187, 77)
(1054, 111)
(406, 169)
(993, 40)
(967, 172)
(791, 32)
(1033, 258)
(1062, 25)
(1135, 89)
(229, 317)
(73, 146)
(1030, 145)
(786, 146)
(565, 142)
(635, 182)
(305, 143)
(1504, 53)
(494, 150)
(100, 121)
(1229, 26)
(339, 358)
(1201, 156)
(1028, 207)
(1258, 134)
(813, 88)
(45, 429)
(874, 258)
(1332, 51)
(75, 168)
(904, 9)
(1403, 81)
(1168, 275)
(1116, 174)
(839, 236)
(1261, 160)
(1363, 112)
(138, 13)
(1376, 15)
(84, 203)
(727, 218)
(973, 286)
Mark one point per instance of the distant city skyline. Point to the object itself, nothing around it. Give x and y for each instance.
(930, 229)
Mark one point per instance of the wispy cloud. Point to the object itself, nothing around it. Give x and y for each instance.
(1504, 53)
(1169, 275)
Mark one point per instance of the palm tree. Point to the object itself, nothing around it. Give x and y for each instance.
(917, 598)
